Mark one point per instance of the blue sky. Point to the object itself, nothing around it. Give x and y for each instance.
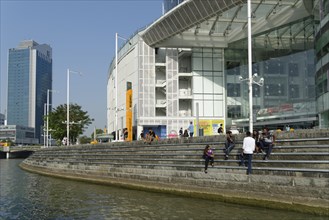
(82, 36)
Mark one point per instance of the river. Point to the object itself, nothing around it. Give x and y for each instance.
(25, 195)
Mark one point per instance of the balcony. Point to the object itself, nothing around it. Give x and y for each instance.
(185, 113)
(185, 94)
(161, 103)
(160, 83)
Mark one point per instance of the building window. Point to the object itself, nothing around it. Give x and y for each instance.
(293, 69)
(233, 90)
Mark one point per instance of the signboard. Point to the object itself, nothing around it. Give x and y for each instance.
(210, 127)
(129, 115)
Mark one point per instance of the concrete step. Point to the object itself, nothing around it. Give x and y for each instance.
(283, 171)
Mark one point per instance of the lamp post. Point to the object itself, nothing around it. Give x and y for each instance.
(250, 81)
(44, 125)
(117, 36)
(250, 68)
(47, 135)
(251, 77)
(68, 105)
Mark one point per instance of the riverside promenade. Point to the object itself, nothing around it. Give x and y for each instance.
(295, 178)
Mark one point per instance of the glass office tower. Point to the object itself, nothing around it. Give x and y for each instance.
(29, 78)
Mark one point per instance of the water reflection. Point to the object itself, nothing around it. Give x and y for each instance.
(31, 196)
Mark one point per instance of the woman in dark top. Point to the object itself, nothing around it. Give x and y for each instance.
(208, 155)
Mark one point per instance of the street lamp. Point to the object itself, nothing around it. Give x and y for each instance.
(251, 77)
(68, 105)
(117, 36)
(47, 135)
(44, 125)
(250, 81)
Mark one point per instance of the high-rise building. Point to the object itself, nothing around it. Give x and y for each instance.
(2, 119)
(29, 78)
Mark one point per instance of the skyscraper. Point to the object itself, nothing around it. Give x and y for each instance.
(29, 78)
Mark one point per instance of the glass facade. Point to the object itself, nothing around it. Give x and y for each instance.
(287, 65)
(322, 65)
(18, 86)
(29, 78)
(208, 83)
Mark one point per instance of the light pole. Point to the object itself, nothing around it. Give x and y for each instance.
(117, 36)
(251, 77)
(47, 135)
(68, 105)
(250, 68)
(44, 125)
(250, 81)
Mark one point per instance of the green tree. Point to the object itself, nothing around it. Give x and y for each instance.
(84, 139)
(79, 121)
(98, 131)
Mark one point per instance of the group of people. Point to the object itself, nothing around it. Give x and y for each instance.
(189, 132)
(149, 137)
(252, 143)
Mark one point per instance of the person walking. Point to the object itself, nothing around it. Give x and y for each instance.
(248, 148)
(208, 155)
(191, 129)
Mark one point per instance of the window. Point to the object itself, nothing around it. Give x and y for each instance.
(233, 90)
(293, 69)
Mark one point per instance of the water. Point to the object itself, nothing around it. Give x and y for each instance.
(26, 195)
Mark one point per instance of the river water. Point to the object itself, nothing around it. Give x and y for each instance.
(25, 195)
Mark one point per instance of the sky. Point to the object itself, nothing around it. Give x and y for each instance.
(82, 37)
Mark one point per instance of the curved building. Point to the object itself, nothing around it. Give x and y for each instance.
(322, 65)
(170, 4)
(191, 65)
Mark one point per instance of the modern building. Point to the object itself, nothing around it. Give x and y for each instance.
(322, 65)
(20, 135)
(170, 4)
(2, 119)
(192, 65)
(29, 78)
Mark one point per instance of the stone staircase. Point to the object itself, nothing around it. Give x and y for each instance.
(297, 172)
(303, 157)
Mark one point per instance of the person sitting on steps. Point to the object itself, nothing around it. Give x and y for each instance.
(229, 144)
(266, 143)
(255, 135)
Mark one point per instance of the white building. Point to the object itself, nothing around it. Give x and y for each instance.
(186, 67)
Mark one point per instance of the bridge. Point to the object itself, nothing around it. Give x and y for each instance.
(14, 152)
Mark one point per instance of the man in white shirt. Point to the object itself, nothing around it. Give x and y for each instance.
(248, 149)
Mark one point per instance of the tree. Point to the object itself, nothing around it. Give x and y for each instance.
(79, 121)
(98, 131)
(84, 139)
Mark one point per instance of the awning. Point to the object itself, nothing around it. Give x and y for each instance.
(217, 23)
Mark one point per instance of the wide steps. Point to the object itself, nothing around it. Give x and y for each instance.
(297, 157)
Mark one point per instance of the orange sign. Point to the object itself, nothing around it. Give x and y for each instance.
(129, 114)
